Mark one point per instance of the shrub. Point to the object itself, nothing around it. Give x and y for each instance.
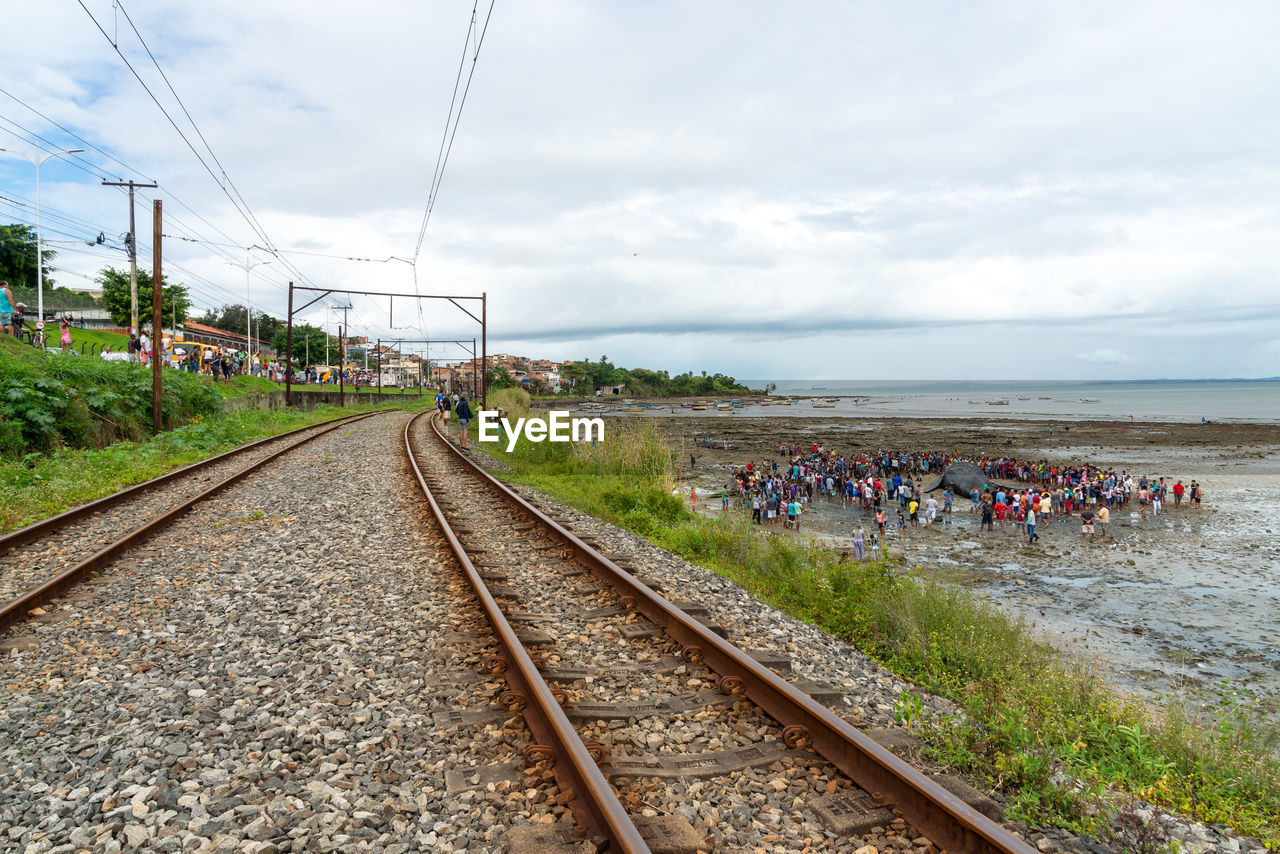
(50, 400)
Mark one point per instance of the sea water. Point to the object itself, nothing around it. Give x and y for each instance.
(1255, 401)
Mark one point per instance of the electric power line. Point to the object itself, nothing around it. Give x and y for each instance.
(442, 155)
(72, 133)
(241, 206)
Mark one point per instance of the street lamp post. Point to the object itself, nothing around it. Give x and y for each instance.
(37, 160)
(248, 303)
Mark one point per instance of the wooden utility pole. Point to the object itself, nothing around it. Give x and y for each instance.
(133, 254)
(288, 354)
(157, 328)
(484, 350)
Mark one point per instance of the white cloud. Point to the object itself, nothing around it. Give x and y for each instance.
(729, 186)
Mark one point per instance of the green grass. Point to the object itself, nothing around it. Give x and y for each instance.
(87, 337)
(84, 339)
(1027, 712)
(41, 485)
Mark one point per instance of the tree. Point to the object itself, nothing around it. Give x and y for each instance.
(18, 260)
(115, 297)
(574, 376)
(308, 343)
(232, 319)
(499, 377)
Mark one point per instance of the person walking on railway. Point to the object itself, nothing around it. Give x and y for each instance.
(464, 420)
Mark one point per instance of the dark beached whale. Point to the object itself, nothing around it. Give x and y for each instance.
(962, 478)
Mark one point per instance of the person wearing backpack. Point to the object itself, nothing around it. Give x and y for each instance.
(464, 420)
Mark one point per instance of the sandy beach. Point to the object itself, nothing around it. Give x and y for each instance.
(1178, 606)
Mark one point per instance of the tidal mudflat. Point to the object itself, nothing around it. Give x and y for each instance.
(1179, 605)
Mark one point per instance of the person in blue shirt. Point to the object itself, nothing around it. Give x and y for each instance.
(6, 307)
(464, 420)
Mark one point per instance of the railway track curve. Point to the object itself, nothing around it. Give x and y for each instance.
(542, 587)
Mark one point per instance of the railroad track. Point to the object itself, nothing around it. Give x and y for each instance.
(632, 700)
(45, 559)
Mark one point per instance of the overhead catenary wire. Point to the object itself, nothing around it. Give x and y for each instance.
(75, 135)
(234, 195)
(199, 146)
(77, 222)
(386, 260)
(451, 130)
(97, 173)
(57, 223)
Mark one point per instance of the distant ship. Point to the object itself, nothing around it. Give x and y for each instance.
(1090, 400)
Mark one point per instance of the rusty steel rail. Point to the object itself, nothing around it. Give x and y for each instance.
(595, 805)
(36, 530)
(17, 609)
(944, 818)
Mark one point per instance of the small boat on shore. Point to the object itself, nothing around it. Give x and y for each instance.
(975, 403)
(1090, 400)
(1024, 397)
(997, 403)
(724, 407)
(817, 405)
(698, 407)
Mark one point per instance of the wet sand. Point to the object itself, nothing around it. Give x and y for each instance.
(1171, 607)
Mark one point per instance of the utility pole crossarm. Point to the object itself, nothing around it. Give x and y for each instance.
(133, 253)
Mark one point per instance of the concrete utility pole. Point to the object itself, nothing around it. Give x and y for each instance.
(248, 265)
(133, 254)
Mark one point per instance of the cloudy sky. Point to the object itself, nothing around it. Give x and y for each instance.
(861, 190)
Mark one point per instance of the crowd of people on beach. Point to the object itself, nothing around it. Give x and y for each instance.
(1027, 495)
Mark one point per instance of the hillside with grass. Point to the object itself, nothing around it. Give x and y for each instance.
(48, 400)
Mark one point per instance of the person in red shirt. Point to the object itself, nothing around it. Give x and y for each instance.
(1001, 511)
(1178, 489)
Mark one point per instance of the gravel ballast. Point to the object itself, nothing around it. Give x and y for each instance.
(296, 666)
